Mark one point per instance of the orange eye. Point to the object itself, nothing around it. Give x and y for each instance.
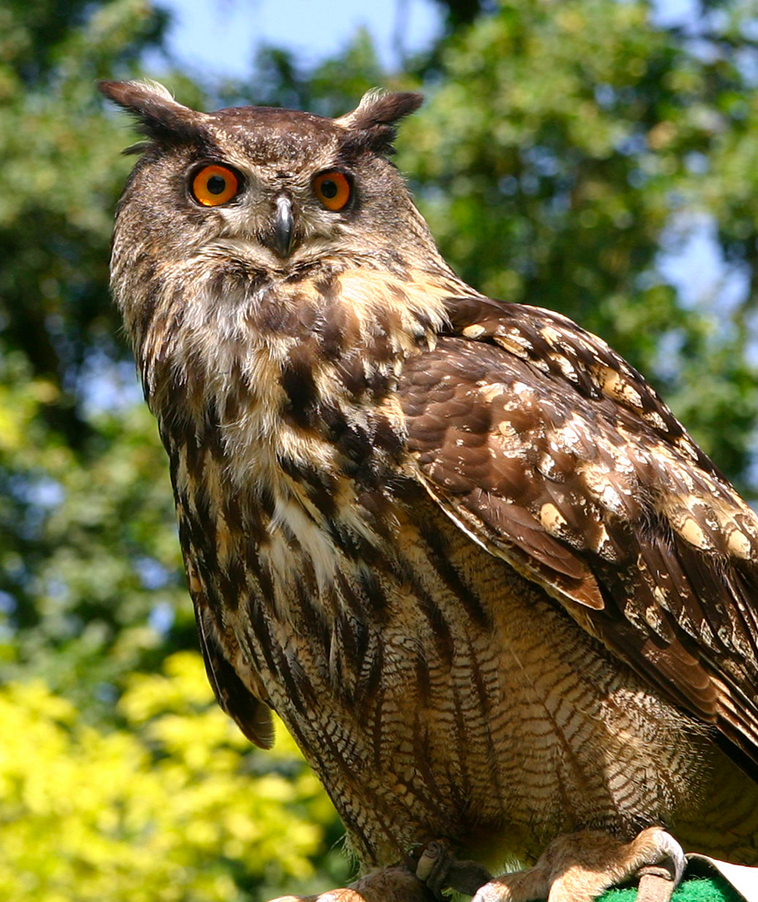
(214, 185)
(332, 189)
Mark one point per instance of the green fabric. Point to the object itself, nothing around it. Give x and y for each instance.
(695, 889)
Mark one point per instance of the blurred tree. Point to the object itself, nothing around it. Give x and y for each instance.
(463, 12)
(174, 806)
(84, 512)
(329, 88)
(566, 145)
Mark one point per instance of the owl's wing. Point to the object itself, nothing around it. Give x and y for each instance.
(251, 714)
(554, 454)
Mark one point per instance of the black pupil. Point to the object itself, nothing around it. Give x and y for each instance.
(216, 184)
(329, 188)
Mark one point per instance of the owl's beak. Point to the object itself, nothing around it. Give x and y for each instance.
(283, 225)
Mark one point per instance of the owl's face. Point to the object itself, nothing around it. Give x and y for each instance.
(274, 189)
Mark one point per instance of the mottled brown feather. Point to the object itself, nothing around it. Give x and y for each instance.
(250, 713)
(587, 483)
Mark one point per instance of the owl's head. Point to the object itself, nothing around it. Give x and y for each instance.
(276, 188)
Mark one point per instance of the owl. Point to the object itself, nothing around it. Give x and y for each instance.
(505, 605)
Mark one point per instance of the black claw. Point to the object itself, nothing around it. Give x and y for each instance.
(467, 877)
(438, 868)
(432, 867)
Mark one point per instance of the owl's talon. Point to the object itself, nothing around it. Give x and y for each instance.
(440, 870)
(656, 883)
(672, 857)
(430, 861)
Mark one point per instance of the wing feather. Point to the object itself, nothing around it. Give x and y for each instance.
(250, 713)
(555, 454)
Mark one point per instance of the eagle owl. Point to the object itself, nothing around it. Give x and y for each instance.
(503, 602)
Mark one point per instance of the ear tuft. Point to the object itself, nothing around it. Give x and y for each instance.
(159, 116)
(378, 115)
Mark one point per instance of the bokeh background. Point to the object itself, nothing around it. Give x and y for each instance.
(598, 157)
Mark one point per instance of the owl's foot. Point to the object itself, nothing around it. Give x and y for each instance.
(574, 868)
(395, 884)
(580, 866)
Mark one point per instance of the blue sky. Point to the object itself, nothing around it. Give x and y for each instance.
(220, 36)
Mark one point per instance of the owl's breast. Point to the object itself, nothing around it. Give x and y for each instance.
(433, 689)
(255, 485)
(402, 656)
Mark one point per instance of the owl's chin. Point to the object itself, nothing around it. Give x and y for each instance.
(257, 256)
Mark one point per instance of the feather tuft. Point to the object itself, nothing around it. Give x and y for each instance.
(159, 117)
(374, 122)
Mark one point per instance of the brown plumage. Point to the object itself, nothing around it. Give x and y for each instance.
(461, 548)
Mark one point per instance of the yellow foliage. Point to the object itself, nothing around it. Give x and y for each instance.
(167, 809)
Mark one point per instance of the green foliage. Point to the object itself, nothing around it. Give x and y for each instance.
(569, 141)
(171, 806)
(85, 515)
